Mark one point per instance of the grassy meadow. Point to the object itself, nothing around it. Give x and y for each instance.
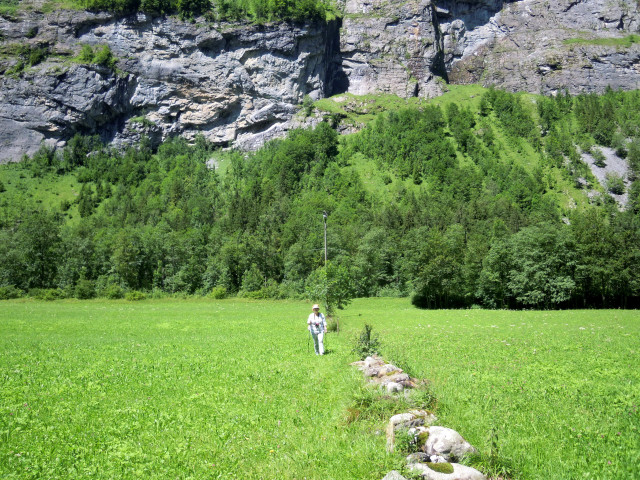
(229, 389)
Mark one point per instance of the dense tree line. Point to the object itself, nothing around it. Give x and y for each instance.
(219, 10)
(455, 222)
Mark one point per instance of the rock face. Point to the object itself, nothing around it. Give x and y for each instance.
(241, 84)
(542, 46)
(237, 85)
(391, 47)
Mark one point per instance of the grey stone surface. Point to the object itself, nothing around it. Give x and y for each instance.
(530, 45)
(393, 387)
(418, 457)
(393, 475)
(460, 472)
(447, 443)
(235, 84)
(614, 165)
(391, 47)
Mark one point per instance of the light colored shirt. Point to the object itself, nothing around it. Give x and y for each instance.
(316, 323)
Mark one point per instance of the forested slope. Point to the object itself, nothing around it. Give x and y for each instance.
(482, 202)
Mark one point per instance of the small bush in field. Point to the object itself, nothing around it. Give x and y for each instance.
(85, 289)
(218, 292)
(113, 292)
(135, 296)
(367, 344)
(9, 292)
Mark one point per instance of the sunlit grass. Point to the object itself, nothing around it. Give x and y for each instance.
(229, 389)
(170, 389)
(50, 191)
(625, 42)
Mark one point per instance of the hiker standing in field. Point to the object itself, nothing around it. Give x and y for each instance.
(317, 327)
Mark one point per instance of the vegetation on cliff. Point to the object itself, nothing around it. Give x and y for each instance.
(487, 202)
(214, 10)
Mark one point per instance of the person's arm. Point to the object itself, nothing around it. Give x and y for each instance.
(324, 323)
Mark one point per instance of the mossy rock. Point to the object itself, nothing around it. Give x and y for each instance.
(422, 438)
(441, 467)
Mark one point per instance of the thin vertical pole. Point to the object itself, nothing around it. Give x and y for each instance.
(324, 215)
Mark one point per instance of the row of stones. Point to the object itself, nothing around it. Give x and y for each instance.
(438, 448)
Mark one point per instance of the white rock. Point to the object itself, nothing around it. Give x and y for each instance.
(447, 443)
(393, 475)
(393, 387)
(460, 472)
(401, 418)
(373, 362)
(388, 369)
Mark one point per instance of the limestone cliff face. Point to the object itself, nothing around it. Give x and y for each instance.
(242, 84)
(235, 84)
(542, 46)
(391, 47)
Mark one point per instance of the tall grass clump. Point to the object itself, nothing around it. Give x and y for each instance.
(367, 343)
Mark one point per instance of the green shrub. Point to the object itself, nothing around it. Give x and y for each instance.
(37, 55)
(599, 158)
(9, 292)
(48, 294)
(2, 187)
(85, 289)
(614, 184)
(135, 296)
(390, 291)
(218, 292)
(307, 106)
(86, 53)
(104, 57)
(113, 292)
(367, 344)
(117, 6)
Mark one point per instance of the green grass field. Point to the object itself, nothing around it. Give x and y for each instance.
(228, 389)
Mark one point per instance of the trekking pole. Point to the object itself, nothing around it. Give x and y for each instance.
(309, 342)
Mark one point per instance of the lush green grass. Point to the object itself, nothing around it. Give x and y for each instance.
(49, 191)
(559, 390)
(12, 7)
(362, 109)
(228, 389)
(625, 42)
(175, 389)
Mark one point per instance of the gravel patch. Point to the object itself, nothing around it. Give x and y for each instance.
(614, 165)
